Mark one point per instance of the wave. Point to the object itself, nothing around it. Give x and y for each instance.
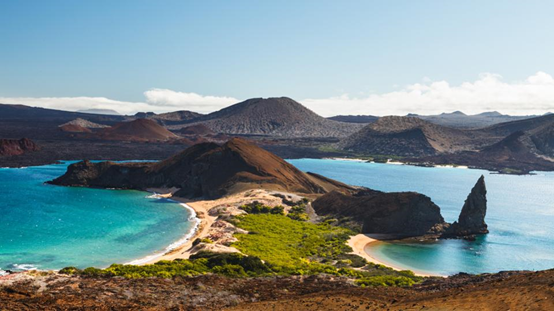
(23, 267)
(175, 244)
(3, 273)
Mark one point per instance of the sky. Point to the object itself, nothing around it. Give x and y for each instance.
(335, 57)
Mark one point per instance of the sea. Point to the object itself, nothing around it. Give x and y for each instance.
(47, 227)
(44, 226)
(520, 215)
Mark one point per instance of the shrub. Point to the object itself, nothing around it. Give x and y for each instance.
(386, 280)
(230, 270)
(69, 270)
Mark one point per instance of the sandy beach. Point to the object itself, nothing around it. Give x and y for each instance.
(360, 241)
(220, 232)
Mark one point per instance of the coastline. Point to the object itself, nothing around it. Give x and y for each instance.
(359, 242)
(180, 243)
(182, 247)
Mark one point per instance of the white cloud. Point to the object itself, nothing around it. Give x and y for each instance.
(534, 95)
(157, 100)
(187, 101)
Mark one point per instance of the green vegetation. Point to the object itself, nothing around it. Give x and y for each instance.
(298, 212)
(258, 208)
(276, 244)
(385, 280)
(289, 246)
(283, 241)
(232, 265)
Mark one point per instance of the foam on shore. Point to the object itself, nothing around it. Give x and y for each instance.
(175, 244)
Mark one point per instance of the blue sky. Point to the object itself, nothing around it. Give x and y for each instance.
(307, 50)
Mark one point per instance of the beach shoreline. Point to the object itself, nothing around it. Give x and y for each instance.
(359, 242)
(199, 231)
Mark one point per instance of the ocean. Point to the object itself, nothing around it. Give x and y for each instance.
(50, 227)
(520, 215)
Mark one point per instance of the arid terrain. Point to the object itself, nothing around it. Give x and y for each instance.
(288, 129)
(501, 291)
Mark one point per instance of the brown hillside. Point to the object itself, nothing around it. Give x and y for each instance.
(203, 170)
(137, 130)
(409, 136)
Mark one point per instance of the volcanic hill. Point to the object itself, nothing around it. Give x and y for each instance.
(409, 136)
(175, 117)
(203, 170)
(137, 130)
(280, 117)
(85, 123)
(517, 153)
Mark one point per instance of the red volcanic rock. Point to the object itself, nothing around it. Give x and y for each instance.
(137, 130)
(74, 128)
(10, 147)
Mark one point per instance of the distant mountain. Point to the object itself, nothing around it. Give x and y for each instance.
(408, 136)
(37, 114)
(354, 119)
(85, 123)
(460, 120)
(456, 119)
(137, 130)
(280, 117)
(74, 128)
(517, 153)
(170, 117)
(100, 111)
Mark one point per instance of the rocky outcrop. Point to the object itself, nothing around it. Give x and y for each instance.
(405, 214)
(396, 213)
(472, 218)
(11, 147)
(203, 170)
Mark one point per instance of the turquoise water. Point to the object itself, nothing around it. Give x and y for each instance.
(51, 227)
(520, 216)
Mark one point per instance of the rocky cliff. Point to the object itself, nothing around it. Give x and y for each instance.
(11, 147)
(398, 213)
(405, 214)
(203, 170)
(472, 218)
